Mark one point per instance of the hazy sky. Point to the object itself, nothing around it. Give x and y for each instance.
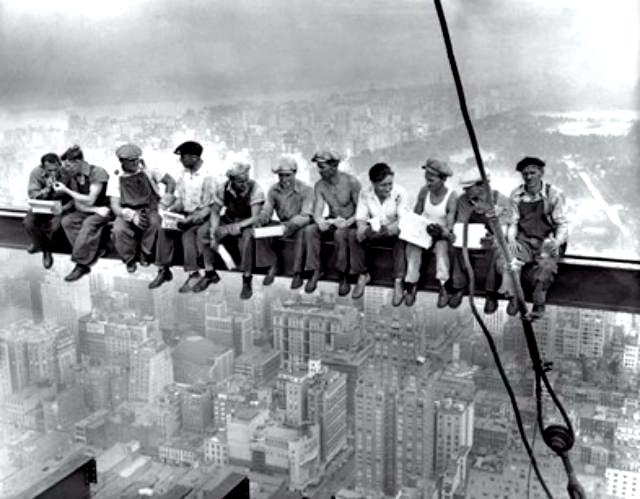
(55, 52)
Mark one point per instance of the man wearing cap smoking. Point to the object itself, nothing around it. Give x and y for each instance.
(377, 220)
(40, 226)
(135, 196)
(292, 201)
(339, 191)
(242, 198)
(194, 197)
(437, 203)
(537, 233)
(475, 207)
(90, 214)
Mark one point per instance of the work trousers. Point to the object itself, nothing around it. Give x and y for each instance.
(41, 228)
(128, 237)
(358, 251)
(414, 261)
(459, 277)
(314, 238)
(266, 250)
(84, 231)
(192, 245)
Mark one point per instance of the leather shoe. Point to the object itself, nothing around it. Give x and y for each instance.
(358, 291)
(456, 298)
(131, 267)
(344, 287)
(164, 275)
(270, 277)
(312, 283)
(247, 290)
(412, 291)
(145, 260)
(512, 307)
(47, 259)
(443, 297)
(210, 277)
(77, 272)
(32, 248)
(191, 281)
(490, 305)
(537, 311)
(296, 282)
(398, 293)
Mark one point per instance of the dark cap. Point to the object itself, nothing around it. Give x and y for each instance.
(438, 167)
(189, 147)
(529, 161)
(74, 152)
(326, 156)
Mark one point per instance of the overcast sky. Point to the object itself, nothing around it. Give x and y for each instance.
(57, 52)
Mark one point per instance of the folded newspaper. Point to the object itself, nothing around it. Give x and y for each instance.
(268, 231)
(413, 229)
(475, 234)
(170, 219)
(44, 207)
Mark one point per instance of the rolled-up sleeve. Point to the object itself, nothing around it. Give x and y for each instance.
(35, 183)
(514, 201)
(269, 206)
(559, 215)
(308, 201)
(257, 194)
(210, 192)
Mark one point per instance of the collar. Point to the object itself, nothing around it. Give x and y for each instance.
(522, 191)
(229, 188)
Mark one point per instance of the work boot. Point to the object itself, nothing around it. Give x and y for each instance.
(398, 293)
(512, 307)
(33, 248)
(344, 287)
(296, 282)
(247, 291)
(164, 275)
(312, 283)
(209, 277)
(131, 267)
(78, 271)
(410, 296)
(145, 260)
(191, 281)
(358, 291)
(490, 304)
(443, 297)
(456, 298)
(270, 277)
(537, 312)
(47, 259)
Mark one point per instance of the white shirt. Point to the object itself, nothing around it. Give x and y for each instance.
(369, 205)
(436, 213)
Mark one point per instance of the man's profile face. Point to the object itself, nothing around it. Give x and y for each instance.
(129, 165)
(477, 194)
(532, 175)
(51, 168)
(434, 181)
(327, 170)
(240, 183)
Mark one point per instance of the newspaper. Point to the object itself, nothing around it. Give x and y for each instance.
(44, 207)
(475, 234)
(413, 229)
(170, 219)
(268, 231)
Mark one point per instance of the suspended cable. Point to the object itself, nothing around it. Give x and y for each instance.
(558, 438)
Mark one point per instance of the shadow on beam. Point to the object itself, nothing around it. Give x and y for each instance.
(596, 283)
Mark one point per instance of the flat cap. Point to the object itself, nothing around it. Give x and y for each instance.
(128, 151)
(189, 147)
(529, 161)
(471, 177)
(437, 166)
(326, 156)
(239, 168)
(286, 165)
(74, 152)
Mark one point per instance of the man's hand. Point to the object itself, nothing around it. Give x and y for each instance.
(289, 229)
(167, 200)
(514, 247)
(213, 244)
(60, 188)
(324, 225)
(102, 211)
(57, 210)
(393, 229)
(435, 231)
(234, 229)
(361, 232)
(127, 214)
(340, 223)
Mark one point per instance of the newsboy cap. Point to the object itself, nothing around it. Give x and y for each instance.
(128, 151)
(326, 156)
(285, 165)
(471, 177)
(74, 152)
(189, 147)
(529, 161)
(437, 166)
(239, 168)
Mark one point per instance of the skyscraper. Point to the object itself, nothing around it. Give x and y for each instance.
(64, 303)
(151, 370)
(454, 430)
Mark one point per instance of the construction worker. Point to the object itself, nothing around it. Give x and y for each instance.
(41, 226)
(242, 199)
(339, 191)
(475, 207)
(292, 201)
(135, 196)
(194, 197)
(83, 224)
(537, 233)
(437, 203)
(377, 222)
